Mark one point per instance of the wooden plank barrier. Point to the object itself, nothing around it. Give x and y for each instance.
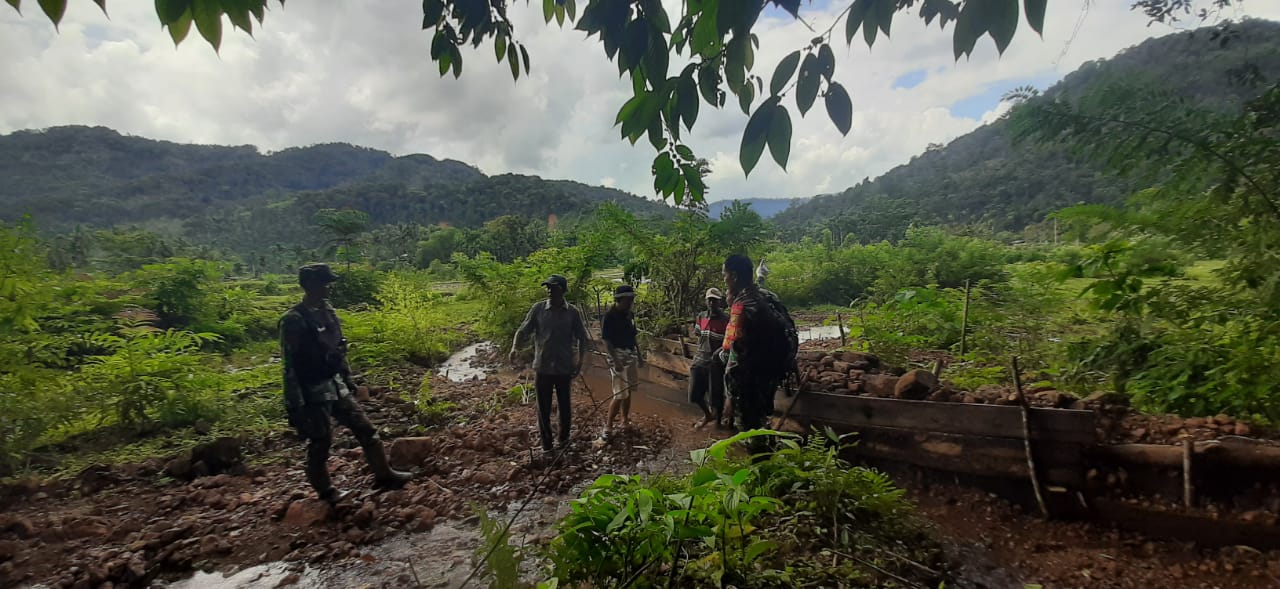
(998, 421)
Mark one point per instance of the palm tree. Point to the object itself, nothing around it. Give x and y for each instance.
(346, 226)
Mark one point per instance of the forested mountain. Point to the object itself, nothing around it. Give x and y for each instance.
(980, 178)
(239, 197)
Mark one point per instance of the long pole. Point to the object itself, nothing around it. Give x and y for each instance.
(840, 322)
(1026, 437)
(964, 322)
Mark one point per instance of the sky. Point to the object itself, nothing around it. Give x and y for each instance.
(360, 73)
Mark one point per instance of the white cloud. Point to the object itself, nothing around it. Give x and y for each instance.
(359, 73)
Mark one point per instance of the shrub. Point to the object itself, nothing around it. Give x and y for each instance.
(153, 375)
(356, 286)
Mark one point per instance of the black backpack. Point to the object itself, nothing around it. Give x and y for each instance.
(783, 342)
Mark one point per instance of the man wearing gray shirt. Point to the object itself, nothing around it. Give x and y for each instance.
(555, 326)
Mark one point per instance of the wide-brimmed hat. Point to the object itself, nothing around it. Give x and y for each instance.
(624, 291)
(714, 293)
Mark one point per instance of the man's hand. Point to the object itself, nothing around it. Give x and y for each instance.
(298, 419)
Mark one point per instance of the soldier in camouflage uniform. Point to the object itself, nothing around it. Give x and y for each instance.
(318, 385)
(750, 388)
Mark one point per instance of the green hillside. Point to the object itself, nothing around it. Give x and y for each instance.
(242, 199)
(980, 178)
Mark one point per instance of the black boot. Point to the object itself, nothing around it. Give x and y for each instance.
(384, 476)
(318, 475)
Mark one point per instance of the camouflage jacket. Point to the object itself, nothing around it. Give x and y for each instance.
(313, 355)
(740, 338)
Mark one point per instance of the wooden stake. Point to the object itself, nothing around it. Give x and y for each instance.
(1026, 437)
(1188, 492)
(964, 322)
(840, 322)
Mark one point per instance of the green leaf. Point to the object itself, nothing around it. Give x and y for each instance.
(500, 46)
(171, 10)
(524, 57)
(548, 10)
(208, 18)
(560, 15)
(857, 14)
(241, 19)
(869, 31)
(807, 85)
(757, 548)
(684, 152)
(826, 61)
(687, 100)
(54, 9)
(746, 94)
(754, 139)
(444, 61)
(839, 107)
(780, 135)
(180, 27)
(735, 63)
(456, 62)
(966, 33)
(657, 59)
(657, 14)
(656, 138)
(432, 11)
(629, 108)
(884, 14)
(16, 4)
(706, 39)
(1002, 19)
(618, 520)
(709, 82)
(1035, 10)
(782, 74)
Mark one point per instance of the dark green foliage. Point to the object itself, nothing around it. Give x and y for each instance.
(1178, 345)
(176, 289)
(730, 522)
(813, 273)
(507, 291)
(357, 286)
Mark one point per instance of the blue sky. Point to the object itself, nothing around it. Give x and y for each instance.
(910, 79)
(973, 107)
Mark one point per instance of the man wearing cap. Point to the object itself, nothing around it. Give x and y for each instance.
(555, 326)
(318, 385)
(706, 375)
(618, 330)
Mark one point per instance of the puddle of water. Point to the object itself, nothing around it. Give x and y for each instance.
(461, 366)
(265, 576)
(818, 332)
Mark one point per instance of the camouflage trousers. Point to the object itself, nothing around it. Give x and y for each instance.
(314, 422)
(752, 407)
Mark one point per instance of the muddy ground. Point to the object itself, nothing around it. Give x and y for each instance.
(261, 527)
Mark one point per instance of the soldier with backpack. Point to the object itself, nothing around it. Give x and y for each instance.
(759, 349)
(318, 386)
